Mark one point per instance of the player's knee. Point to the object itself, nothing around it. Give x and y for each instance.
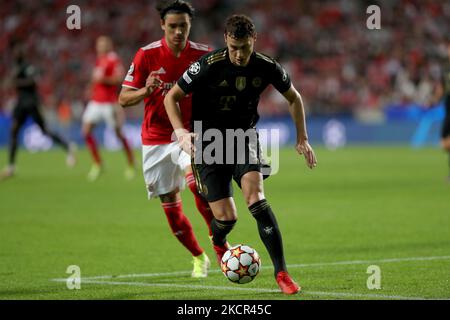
(118, 133)
(86, 129)
(254, 197)
(224, 213)
(169, 197)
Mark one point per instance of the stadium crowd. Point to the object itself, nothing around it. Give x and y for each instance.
(339, 65)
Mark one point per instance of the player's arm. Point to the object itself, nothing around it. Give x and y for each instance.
(185, 85)
(129, 96)
(297, 112)
(171, 103)
(139, 83)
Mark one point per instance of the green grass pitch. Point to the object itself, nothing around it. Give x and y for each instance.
(362, 206)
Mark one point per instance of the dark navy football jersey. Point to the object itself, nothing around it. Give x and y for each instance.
(225, 96)
(25, 71)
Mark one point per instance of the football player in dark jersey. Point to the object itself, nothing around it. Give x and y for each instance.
(226, 85)
(25, 75)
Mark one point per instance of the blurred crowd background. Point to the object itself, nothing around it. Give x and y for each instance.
(339, 65)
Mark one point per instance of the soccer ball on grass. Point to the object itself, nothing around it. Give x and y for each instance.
(240, 264)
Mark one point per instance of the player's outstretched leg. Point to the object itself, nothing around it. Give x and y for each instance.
(130, 171)
(96, 168)
(182, 229)
(220, 229)
(69, 148)
(225, 218)
(271, 237)
(200, 202)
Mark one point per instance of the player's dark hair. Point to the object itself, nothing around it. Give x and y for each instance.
(240, 26)
(178, 6)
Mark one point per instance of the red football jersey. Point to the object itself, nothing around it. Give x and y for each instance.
(157, 57)
(106, 66)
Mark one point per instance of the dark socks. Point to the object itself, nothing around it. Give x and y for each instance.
(220, 229)
(269, 233)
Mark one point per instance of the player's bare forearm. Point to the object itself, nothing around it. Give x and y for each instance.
(298, 115)
(297, 112)
(171, 101)
(173, 109)
(129, 97)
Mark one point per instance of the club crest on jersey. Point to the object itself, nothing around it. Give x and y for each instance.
(194, 68)
(256, 82)
(241, 82)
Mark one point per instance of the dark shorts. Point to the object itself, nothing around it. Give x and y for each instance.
(216, 178)
(28, 108)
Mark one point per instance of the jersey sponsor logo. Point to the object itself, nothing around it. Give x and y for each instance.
(227, 102)
(187, 78)
(256, 82)
(241, 83)
(194, 68)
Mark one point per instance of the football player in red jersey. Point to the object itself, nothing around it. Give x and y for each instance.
(108, 74)
(154, 70)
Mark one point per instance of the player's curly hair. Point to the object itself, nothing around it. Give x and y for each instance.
(174, 6)
(240, 26)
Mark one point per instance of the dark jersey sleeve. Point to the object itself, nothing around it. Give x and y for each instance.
(193, 76)
(280, 79)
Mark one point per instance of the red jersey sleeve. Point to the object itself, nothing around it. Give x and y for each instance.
(138, 72)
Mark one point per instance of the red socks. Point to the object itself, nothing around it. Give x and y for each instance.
(128, 150)
(200, 202)
(181, 227)
(92, 146)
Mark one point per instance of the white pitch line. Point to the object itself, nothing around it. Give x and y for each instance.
(259, 290)
(368, 261)
(293, 266)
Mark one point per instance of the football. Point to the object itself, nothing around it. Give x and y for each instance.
(240, 264)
